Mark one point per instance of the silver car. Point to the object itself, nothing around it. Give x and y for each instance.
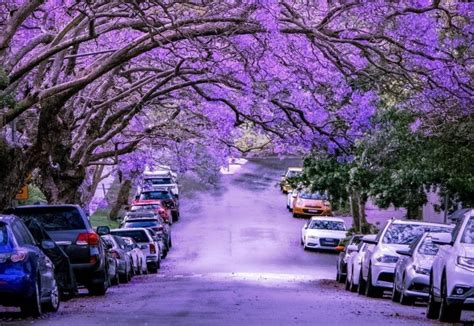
(452, 274)
(413, 269)
(354, 262)
(378, 266)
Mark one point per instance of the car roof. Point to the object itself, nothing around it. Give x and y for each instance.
(397, 221)
(8, 218)
(327, 218)
(295, 169)
(45, 206)
(129, 229)
(140, 219)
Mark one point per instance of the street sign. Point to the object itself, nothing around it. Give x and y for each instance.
(23, 193)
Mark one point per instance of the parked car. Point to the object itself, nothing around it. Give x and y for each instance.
(156, 208)
(70, 228)
(311, 204)
(378, 267)
(148, 246)
(412, 271)
(26, 273)
(323, 233)
(138, 258)
(452, 273)
(354, 263)
(291, 198)
(112, 266)
(117, 248)
(161, 179)
(163, 196)
(154, 222)
(346, 247)
(292, 172)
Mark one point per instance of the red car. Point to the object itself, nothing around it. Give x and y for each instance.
(152, 205)
(165, 198)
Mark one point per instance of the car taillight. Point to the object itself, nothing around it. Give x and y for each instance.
(84, 239)
(152, 248)
(18, 256)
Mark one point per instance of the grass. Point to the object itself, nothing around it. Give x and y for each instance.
(100, 218)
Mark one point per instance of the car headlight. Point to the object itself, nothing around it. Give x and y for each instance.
(387, 259)
(327, 203)
(312, 237)
(421, 270)
(299, 202)
(465, 262)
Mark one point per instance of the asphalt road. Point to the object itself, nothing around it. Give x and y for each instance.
(236, 259)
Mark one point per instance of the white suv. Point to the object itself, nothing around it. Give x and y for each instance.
(378, 266)
(452, 274)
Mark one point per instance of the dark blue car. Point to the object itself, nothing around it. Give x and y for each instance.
(26, 273)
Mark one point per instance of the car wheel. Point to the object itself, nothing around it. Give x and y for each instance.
(432, 310)
(97, 289)
(347, 284)
(448, 313)
(361, 286)
(153, 269)
(395, 293)
(53, 303)
(352, 287)
(171, 243)
(371, 291)
(32, 306)
(404, 300)
(295, 215)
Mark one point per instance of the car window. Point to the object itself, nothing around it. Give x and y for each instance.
(54, 218)
(408, 233)
(158, 181)
(137, 235)
(109, 242)
(140, 208)
(27, 237)
(3, 234)
(468, 235)
(121, 243)
(327, 225)
(155, 195)
(139, 224)
(293, 174)
(427, 247)
(315, 196)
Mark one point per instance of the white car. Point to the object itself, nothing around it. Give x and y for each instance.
(354, 263)
(378, 266)
(452, 274)
(163, 179)
(291, 198)
(323, 233)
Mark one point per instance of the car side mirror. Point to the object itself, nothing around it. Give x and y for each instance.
(137, 197)
(404, 253)
(442, 239)
(48, 244)
(103, 230)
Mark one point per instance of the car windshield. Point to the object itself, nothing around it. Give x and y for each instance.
(406, 234)
(137, 235)
(109, 242)
(468, 236)
(308, 195)
(3, 235)
(54, 218)
(293, 174)
(158, 181)
(140, 224)
(140, 208)
(427, 247)
(154, 195)
(328, 225)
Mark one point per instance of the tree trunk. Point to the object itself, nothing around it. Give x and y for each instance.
(122, 199)
(15, 166)
(355, 210)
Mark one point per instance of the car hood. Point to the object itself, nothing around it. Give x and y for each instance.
(467, 250)
(391, 249)
(326, 233)
(312, 202)
(424, 261)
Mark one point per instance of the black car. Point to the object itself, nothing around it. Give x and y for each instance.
(154, 222)
(347, 246)
(27, 275)
(70, 228)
